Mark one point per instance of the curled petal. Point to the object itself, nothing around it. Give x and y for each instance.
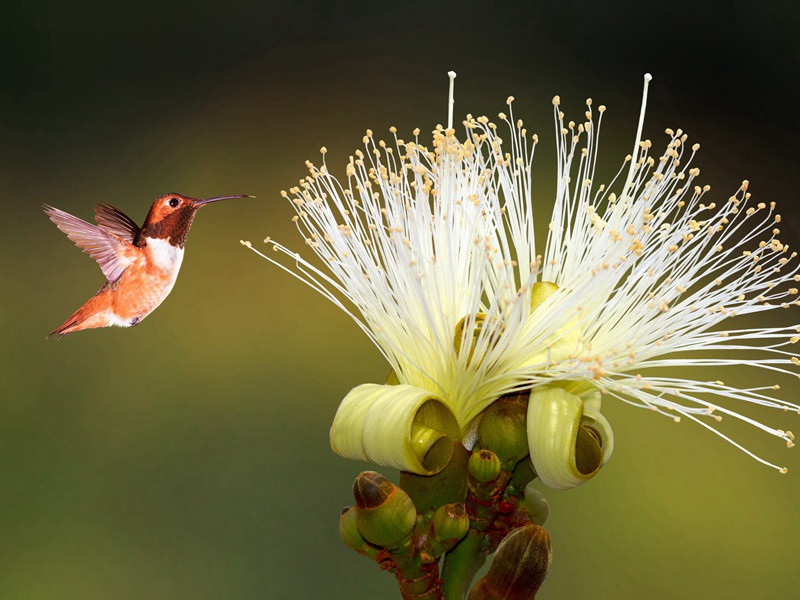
(569, 442)
(396, 426)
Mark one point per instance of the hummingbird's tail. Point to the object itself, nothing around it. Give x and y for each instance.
(92, 314)
(68, 326)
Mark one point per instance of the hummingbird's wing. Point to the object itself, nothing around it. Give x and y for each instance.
(115, 222)
(112, 253)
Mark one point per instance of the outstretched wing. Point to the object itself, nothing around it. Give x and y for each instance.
(115, 222)
(112, 253)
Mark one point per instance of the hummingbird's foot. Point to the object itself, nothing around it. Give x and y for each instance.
(135, 321)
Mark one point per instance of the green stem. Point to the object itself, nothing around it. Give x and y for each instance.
(461, 565)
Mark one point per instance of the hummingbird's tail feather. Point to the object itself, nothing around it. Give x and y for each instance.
(65, 328)
(75, 322)
(92, 314)
(78, 322)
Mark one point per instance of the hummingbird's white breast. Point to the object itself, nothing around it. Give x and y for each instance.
(165, 257)
(148, 285)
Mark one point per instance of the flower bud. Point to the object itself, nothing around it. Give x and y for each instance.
(484, 466)
(534, 505)
(348, 530)
(502, 429)
(450, 522)
(385, 515)
(519, 567)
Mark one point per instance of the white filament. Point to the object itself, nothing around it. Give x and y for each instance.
(450, 99)
(417, 242)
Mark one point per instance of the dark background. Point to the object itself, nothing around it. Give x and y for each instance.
(188, 458)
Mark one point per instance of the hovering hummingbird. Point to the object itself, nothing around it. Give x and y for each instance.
(141, 264)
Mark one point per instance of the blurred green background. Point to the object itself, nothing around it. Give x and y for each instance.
(188, 457)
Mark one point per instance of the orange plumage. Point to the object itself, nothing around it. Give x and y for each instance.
(141, 265)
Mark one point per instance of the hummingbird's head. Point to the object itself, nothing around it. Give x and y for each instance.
(171, 216)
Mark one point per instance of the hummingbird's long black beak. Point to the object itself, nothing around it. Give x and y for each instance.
(199, 203)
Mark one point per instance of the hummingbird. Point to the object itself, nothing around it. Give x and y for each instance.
(141, 264)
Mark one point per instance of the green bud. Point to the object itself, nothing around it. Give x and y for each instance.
(519, 567)
(502, 429)
(449, 525)
(535, 505)
(385, 515)
(484, 466)
(348, 530)
(451, 522)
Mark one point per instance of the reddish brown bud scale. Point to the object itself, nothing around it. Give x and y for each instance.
(519, 567)
(371, 489)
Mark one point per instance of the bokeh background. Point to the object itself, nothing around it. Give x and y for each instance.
(188, 457)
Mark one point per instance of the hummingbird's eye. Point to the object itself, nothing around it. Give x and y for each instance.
(173, 202)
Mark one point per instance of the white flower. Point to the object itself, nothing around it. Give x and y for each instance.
(431, 251)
